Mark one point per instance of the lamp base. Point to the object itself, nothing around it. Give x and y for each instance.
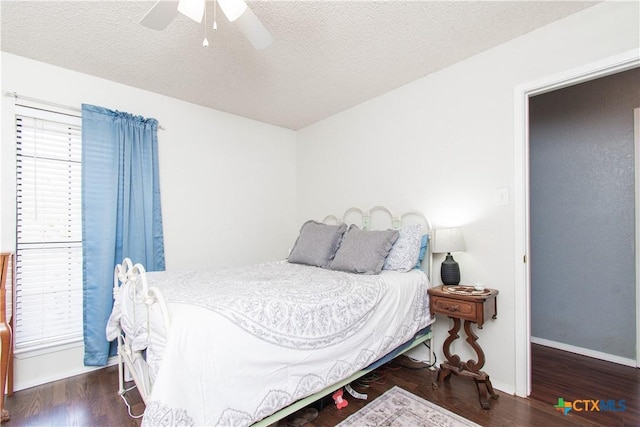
(450, 271)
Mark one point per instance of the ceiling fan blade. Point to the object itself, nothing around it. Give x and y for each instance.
(160, 15)
(232, 9)
(193, 9)
(252, 28)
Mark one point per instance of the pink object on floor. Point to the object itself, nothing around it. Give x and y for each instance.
(340, 402)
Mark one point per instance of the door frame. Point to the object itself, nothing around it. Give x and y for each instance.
(522, 276)
(636, 147)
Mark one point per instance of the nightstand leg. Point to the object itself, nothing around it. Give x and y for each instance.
(485, 389)
(452, 359)
(444, 374)
(472, 339)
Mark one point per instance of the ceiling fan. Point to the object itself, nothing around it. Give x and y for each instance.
(237, 11)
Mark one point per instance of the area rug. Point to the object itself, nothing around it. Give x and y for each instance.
(397, 407)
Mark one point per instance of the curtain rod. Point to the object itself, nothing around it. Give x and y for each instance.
(49, 103)
(40, 101)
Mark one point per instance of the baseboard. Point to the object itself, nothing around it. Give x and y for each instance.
(585, 352)
(35, 371)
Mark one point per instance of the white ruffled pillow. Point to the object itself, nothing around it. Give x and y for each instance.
(406, 250)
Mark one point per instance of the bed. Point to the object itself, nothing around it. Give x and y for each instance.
(251, 345)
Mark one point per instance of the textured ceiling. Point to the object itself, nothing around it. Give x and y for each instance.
(327, 56)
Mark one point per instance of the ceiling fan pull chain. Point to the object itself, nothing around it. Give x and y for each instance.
(215, 20)
(205, 42)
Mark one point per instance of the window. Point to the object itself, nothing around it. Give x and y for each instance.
(49, 229)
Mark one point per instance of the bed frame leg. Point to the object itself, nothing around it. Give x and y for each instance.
(120, 371)
(432, 355)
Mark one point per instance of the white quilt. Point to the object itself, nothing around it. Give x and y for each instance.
(244, 343)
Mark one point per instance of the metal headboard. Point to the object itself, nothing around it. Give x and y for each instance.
(381, 218)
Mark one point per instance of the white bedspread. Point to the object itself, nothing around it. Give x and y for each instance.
(244, 343)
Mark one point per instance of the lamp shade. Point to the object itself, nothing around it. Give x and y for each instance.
(446, 240)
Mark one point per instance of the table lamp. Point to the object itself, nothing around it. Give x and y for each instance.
(447, 240)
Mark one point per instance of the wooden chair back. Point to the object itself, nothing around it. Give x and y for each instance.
(6, 349)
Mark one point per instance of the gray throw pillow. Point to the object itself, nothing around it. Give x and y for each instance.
(363, 251)
(317, 243)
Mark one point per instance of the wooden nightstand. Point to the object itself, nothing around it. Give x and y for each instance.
(465, 303)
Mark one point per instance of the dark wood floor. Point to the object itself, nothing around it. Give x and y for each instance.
(91, 399)
(558, 373)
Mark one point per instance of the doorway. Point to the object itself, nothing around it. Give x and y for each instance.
(582, 217)
(612, 65)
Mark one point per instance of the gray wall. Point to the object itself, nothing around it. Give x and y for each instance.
(582, 214)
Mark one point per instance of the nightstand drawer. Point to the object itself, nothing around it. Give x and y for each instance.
(475, 308)
(454, 307)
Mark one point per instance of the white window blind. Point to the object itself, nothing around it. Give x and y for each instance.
(49, 229)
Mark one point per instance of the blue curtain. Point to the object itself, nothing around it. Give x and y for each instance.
(121, 214)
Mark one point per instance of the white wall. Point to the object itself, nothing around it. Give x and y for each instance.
(228, 183)
(444, 144)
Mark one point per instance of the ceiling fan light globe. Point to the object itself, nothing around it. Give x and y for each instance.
(232, 9)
